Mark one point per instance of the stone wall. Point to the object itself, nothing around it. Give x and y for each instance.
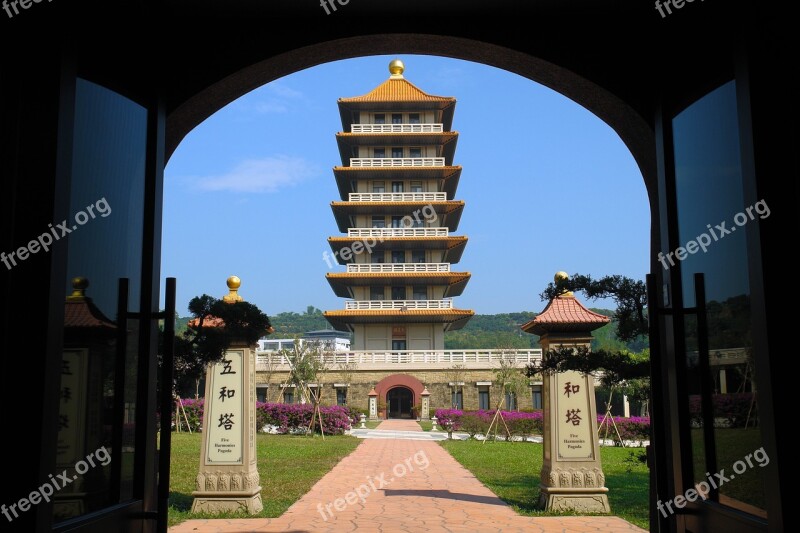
(436, 381)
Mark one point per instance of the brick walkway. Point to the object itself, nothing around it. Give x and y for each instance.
(424, 490)
(399, 425)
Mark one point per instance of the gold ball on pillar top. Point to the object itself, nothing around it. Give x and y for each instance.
(562, 276)
(233, 284)
(396, 68)
(79, 285)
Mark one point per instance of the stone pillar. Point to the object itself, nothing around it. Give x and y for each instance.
(373, 404)
(572, 477)
(228, 479)
(425, 404)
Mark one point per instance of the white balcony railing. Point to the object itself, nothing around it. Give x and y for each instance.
(398, 232)
(397, 128)
(397, 196)
(362, 305)
(363, 268)
(372, 359)
(397, 161)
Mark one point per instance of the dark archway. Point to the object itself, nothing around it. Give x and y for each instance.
(633, 129)
(399, 401)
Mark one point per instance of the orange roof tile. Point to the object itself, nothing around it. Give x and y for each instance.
(565, 313)
(84, 314)
(209, 322)
(397, 90)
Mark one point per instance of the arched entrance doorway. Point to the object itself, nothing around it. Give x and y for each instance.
(398, 402)
(181, 85)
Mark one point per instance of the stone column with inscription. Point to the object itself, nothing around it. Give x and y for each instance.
(572, 476)
(373, 404)
(228, 478)
(425, 407)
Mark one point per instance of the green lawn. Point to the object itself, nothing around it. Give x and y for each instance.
(425, 424)
(288, 465)
(511, 470)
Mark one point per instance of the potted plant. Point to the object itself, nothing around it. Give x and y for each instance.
(381, 408)
(415, 410)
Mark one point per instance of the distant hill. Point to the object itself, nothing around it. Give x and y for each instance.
(481, 332)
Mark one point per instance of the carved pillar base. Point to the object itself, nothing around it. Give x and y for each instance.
(219, 502)
(574, 489)
(578, 502)
(227, 491)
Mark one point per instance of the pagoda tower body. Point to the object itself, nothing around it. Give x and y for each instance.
(397, 212)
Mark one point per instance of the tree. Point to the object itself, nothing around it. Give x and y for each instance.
(346, 371)
(214, 325)
(630, 295)
(509, 375)
(614, 367)
(455, 375)
(307, 365)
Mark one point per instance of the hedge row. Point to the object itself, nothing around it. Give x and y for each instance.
(524, 424)
(730, 410)
(285, 418)
(520, 424)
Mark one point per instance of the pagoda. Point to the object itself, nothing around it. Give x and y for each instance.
(397, 212)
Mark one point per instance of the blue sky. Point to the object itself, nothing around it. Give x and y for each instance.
(548, 186)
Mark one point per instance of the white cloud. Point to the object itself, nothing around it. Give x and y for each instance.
(264, 175)
(278, 99)
(271, 106)
(284, 91)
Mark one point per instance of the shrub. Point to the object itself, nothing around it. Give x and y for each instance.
(730, 410)
(473, 424)
(519, 423)
(194, 412)
(635, 428)
(354, 413)
(295, 418)
(449, 420)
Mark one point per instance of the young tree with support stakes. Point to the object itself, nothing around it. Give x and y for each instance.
(455, 376)
(346, 370)
(507, 373)
(308, 363)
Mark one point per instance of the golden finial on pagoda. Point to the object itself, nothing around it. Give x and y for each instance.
(562, 276)
(79, 285)
(233, 296)
(396, 68)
